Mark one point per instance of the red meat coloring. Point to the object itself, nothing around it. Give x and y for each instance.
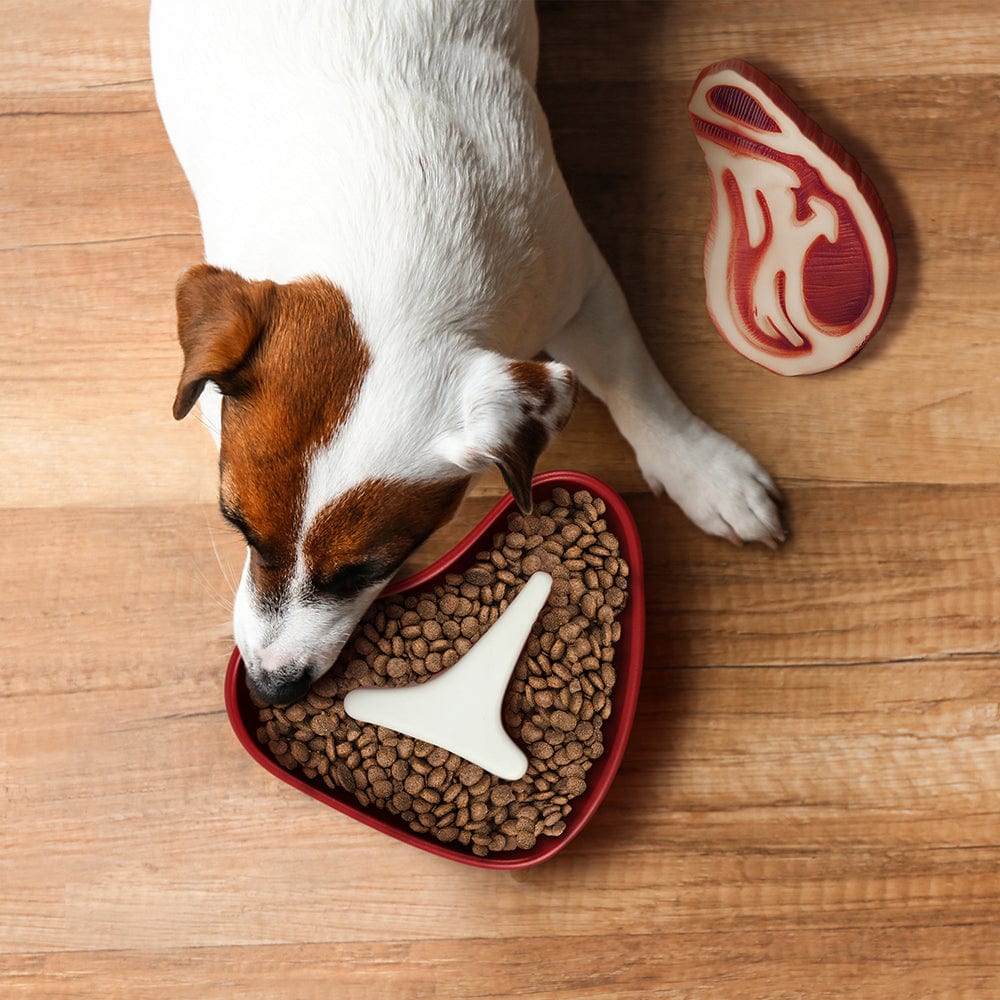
(799, 261)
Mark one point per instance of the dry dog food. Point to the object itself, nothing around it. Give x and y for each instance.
(556, 704)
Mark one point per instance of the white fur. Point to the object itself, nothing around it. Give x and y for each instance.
(397, 148)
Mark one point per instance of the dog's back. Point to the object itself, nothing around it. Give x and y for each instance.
(375, 144)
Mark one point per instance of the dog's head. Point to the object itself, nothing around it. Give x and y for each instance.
(339, 456)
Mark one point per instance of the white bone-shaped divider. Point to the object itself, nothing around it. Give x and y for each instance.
(459, 709)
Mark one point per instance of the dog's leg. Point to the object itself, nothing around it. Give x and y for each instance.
(714, 481)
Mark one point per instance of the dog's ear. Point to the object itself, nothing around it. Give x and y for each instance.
(510, 411)
(220, 316)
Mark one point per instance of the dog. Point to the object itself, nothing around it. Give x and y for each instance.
(390, 245)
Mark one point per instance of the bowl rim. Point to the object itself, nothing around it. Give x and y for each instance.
(623, 710)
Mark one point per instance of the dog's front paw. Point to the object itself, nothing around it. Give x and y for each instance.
(722, 489)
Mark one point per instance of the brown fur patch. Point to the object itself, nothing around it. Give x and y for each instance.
(294, 390)
(378, 521)
(534, 380)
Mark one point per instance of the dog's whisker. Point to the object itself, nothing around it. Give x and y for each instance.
(231, 579)
(222, 600)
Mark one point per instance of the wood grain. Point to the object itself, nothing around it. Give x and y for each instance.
(810, 802)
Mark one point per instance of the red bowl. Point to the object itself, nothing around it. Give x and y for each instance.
(628, 665)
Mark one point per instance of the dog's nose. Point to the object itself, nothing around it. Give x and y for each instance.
(279, 687)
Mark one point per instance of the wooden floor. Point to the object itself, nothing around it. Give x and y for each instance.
(810, 803)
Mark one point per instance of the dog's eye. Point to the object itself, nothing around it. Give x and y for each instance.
(262, 561)
(236, 520)
(265, 557)
(346, 581)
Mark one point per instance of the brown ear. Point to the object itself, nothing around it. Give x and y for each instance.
(510, 412)
(516, 462)
(220, 317)
(546, 392)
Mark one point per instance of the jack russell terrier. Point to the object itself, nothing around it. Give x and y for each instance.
(389, 239)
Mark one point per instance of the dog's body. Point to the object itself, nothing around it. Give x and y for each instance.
(388, 232)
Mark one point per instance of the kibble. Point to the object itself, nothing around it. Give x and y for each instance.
(555, 706)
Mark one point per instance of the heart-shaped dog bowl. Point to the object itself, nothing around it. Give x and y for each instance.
(628, 665)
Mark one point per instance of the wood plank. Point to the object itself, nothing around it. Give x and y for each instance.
(816, 601)
(640, 41)
(638, 178)
(941, 426)
(870, 575)
(844, 962)
(911, 410)
(61, 192)
(69, 47)
(739, 806)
